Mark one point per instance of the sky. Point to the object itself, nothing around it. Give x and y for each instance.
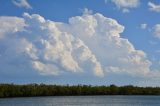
(98, 42)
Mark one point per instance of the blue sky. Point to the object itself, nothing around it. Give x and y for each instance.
(140, 19)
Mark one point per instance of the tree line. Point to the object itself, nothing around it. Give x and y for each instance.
(31, 90)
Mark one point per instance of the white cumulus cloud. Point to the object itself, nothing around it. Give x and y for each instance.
(87, 44)
(126, 5)
(154, 7)
(22, 3)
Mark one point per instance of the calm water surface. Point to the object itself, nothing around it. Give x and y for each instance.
(83, 101)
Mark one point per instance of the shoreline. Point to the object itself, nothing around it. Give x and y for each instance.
(43, 90)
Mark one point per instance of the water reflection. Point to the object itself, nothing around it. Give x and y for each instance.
(83, 101)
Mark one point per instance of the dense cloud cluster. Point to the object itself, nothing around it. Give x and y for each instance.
(87, 44)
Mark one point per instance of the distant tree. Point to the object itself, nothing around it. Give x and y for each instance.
(13, 90)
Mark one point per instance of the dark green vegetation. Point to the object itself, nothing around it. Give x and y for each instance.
(12, 90)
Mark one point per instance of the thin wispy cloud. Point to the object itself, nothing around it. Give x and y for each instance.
(22, 4)
(143, 26)
(156, 31)
(154, 7)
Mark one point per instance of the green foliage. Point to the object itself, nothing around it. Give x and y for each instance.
(12, 90)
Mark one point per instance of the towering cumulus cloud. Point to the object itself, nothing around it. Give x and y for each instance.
(87, 44)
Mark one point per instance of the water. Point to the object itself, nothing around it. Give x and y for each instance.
(83, 101)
